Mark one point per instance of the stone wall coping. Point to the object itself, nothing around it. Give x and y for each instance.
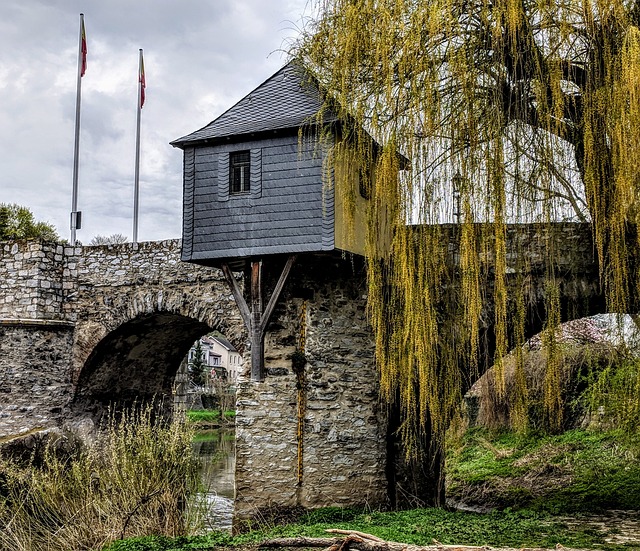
(25, 322)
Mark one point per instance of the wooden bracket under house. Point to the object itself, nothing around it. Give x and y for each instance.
(253, 315)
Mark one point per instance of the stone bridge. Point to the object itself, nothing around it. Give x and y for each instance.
(84, 327)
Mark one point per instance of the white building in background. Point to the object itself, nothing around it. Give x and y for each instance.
(220, 356)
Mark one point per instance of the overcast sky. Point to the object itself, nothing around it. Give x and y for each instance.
(201, 56)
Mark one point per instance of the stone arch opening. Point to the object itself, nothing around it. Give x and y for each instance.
(580, 296)
(136, 363)
(586, 346)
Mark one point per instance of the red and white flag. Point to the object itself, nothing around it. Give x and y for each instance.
(141, 78)
(83, 48)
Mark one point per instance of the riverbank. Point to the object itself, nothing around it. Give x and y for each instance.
(578, 471)
(210, 419)
(534, 491)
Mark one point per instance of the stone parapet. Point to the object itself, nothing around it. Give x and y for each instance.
(31, 280)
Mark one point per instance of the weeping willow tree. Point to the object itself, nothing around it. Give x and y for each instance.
(510, 111)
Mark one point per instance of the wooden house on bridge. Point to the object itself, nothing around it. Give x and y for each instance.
(253, 178)
(259, 181)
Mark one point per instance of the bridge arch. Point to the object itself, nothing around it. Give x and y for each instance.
(130, 351)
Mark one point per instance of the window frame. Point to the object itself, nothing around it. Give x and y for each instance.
(240, 165)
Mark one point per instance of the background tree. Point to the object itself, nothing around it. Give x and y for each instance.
(532, 109)
(113, 239)
(197, 366)
(18, 222)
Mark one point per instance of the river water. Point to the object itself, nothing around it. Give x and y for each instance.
(216, 450)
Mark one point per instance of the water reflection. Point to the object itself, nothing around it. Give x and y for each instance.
(216, 450)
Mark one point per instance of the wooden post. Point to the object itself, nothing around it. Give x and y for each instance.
(256, 334)
(255, 319)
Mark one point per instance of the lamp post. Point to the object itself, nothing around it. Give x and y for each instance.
(456, 182)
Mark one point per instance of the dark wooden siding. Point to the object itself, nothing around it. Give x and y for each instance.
(188, 170)
(286, 210)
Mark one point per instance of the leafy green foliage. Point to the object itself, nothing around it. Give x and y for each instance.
(598, 383)
(18, 222)
(614, 394)
(197, 366)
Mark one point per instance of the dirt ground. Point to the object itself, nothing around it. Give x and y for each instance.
(622, 527)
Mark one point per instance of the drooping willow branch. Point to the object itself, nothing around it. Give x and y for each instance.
(522, 101)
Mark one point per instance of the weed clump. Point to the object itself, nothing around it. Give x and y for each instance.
(137, 478)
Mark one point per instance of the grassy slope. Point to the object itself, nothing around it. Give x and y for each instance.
(573, 472)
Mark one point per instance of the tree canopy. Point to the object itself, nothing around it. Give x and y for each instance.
(197, 365)
(17, 222)
(510, 111)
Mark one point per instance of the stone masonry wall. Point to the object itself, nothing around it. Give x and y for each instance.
(35, 380)
(58, 302)
(31, 274)
(343, 434)
(35, 337)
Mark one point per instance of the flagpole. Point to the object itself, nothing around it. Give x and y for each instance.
(136, 185)
(75, 215)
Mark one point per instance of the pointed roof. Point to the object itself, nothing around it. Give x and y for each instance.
(225, 343)
(288, 99)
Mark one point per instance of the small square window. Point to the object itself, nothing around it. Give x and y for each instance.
(239, 171)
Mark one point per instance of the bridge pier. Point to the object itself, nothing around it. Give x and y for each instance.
(313, 435)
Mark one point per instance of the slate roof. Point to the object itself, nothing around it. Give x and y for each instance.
(287, 99)
(224, 342)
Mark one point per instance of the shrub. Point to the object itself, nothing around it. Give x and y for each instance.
(138, 479)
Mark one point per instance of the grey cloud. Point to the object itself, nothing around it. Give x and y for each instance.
(201, 56)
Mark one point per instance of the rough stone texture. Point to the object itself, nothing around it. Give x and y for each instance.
(35, 381)
(343, 447)
(83, 327)
(31, 280)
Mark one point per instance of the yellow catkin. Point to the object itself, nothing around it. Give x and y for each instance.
(535, 105)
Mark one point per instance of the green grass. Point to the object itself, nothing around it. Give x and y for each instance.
(209, 415)
(203, 415)
(418, 526)
(577, 471)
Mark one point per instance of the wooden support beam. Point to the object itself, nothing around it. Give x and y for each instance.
(255, 319)
(256, 336)
(276, 293)
(237, 295)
